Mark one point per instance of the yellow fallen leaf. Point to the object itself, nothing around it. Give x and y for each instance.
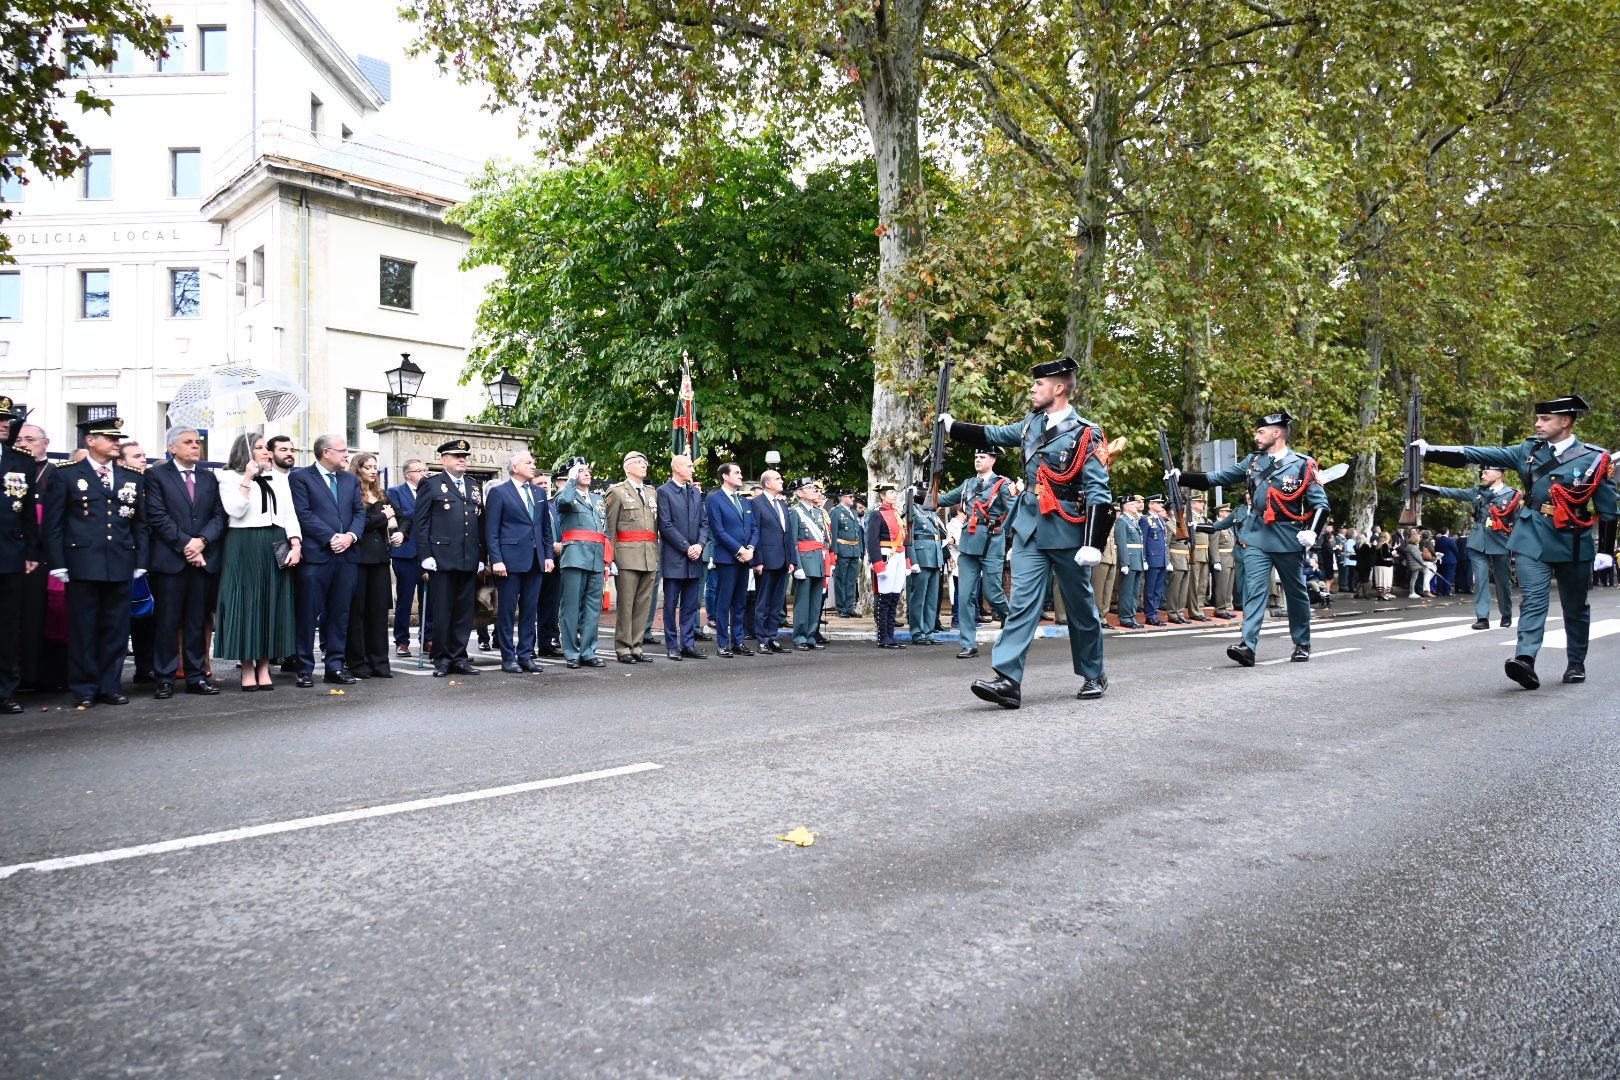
(800, 836)
(334, 693)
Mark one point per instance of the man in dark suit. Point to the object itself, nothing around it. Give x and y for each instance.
(326, 497)
(778, 557)
(736, 534)
(450, 540)
(21, 551)
(683, 532)
(95, 528)
(518, 536)
(187, 522)
(548, 631)
(409, 588)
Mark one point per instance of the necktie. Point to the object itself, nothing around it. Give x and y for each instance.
(528, 501)
(106, 477)
(191, 485)
(331, 482)
(735, 501)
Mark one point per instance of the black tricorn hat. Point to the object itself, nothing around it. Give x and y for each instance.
(1060, 366)
(1573, 405)
(1280, 418)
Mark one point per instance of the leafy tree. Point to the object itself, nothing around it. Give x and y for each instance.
(40, 55)
(615, 268)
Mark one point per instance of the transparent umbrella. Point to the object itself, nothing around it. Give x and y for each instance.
(236, 396)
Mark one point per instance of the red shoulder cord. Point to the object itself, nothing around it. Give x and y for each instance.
(1278, 503)
(1045, 477)
(1502, 520)
(983, 508)
(1568, 502)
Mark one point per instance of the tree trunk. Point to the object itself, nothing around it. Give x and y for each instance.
(1196, 342)
(1364, 489)
(890, 97)
(1090, 238)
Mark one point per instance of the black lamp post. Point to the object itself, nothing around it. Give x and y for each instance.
(403, 383)
(503, 393)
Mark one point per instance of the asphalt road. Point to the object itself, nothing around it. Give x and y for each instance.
(1390, 862)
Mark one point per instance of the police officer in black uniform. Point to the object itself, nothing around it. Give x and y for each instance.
(20, 549)
(449, 530)
(95, 535)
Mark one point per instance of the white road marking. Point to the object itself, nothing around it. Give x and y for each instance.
(1350, 631)
(1438, 633)
(1314, 656)
(1385, 623)
(1556, 639)
(297, 824)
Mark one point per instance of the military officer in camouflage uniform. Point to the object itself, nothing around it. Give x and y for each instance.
(21, 550)
(631, 508)
(1289, 505)
(1565, 531)
(1059, 524)
(848, 538)
(815, 558)
(586, 553)
(981, 553)
(1495, 508)
(924, 538)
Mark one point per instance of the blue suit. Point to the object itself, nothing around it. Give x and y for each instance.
(409, 588)
(778, 557)
(733, 526)
(682, 522)
(182, 594)
(325, 580)
(517, 533)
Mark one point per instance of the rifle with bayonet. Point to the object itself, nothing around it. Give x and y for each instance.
(936, 449)
(1412, 477)
(1175, 501)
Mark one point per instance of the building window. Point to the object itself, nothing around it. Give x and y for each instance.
(10, 296)
(396, 278)
(185, 173)
(124, 62)
(241, 282)
(11, 187)
(351, 417)
(94, 412)
(213, 48)
(258, 274)
(185, 293)
(80, 66)
(95, 294)
(98, 174)
(438, 407)
(174, 54)
(317, 113)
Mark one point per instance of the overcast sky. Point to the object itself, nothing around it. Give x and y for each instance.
(427, 108)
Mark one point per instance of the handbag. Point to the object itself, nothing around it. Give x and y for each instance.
(283, 553)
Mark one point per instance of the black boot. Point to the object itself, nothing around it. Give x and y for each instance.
(998, 691)
(1575, 672)
(1241, 653)
(1522, 670)
(1093, 688)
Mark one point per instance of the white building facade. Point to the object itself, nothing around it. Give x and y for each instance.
(235, 210)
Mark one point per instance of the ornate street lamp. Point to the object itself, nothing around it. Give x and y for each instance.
(403, 384)
(503, 393)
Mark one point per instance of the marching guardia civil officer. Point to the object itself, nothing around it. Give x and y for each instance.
(982, 550)
(848, 538)
(1287, 504)
(925, 537)
(815, 559)
(449, 527)
(1495, 508)
(1058, 527)
(1565, 531)
(20, 550)
(586, 553)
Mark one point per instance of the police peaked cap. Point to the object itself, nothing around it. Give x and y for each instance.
(1573, 405)
(110, 426)
(455, 446)
(993, 451)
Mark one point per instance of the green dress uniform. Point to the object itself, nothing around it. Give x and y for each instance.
(1105, 577)
(847, 540)
(981, 553)
(810, 579)
(1568, 516)
(1287, 507)
(1066, 505)
(631, 523)
(1131, 552)
(1494, 510)
(922, 584)
(582, 516)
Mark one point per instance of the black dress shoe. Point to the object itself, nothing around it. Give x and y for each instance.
(677, 657)
(1241, 653)
(383, 674)
(441, 671)
(698, 635)
(648, 639)
(818, 644)
(724, 654)
(641, 658)
(9, 707)
(529, 665)
(305, 682)
(593, 661)
(202, 688)
(551, 652)
(573, 664)
(360, 673)
(742, 650)
(511, 667)
(1522, 670)
(85, 702)
(111, 699)
(1178, 620)
(1300, 655)
(799, 647)
(1507, 620)
(1093, 688)
(967, 653)
(1575, 672)
(341, 677)
(998, 691)
(627, 659)
(1198, 617)
(1480, 624)
(145, 678)
(165, 691)
(1224, 614)
(1155, 622)
(819, 638)
(1129, 624)
(775, 646)
(694, 654)
(463, 667)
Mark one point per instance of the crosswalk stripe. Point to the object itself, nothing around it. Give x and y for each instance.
(1438, 633)
(1314, 656)
(1350, 631)
(1556, 639)
(1283, 629)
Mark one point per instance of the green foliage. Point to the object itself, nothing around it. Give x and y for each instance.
(615, 268)
(40, 57)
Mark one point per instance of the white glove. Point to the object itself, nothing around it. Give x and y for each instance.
(481, 568)
(1307, 538)
(1422, 446)
(947, 419)
(573, 472)
(798, 573)
(1217, 567)
(60, 575)
(430, 564)
(613, 569)
(1602, 562)
(1172, 475)
(139, 574)
(1123, 569)
(1087, 556)
(711, 564)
